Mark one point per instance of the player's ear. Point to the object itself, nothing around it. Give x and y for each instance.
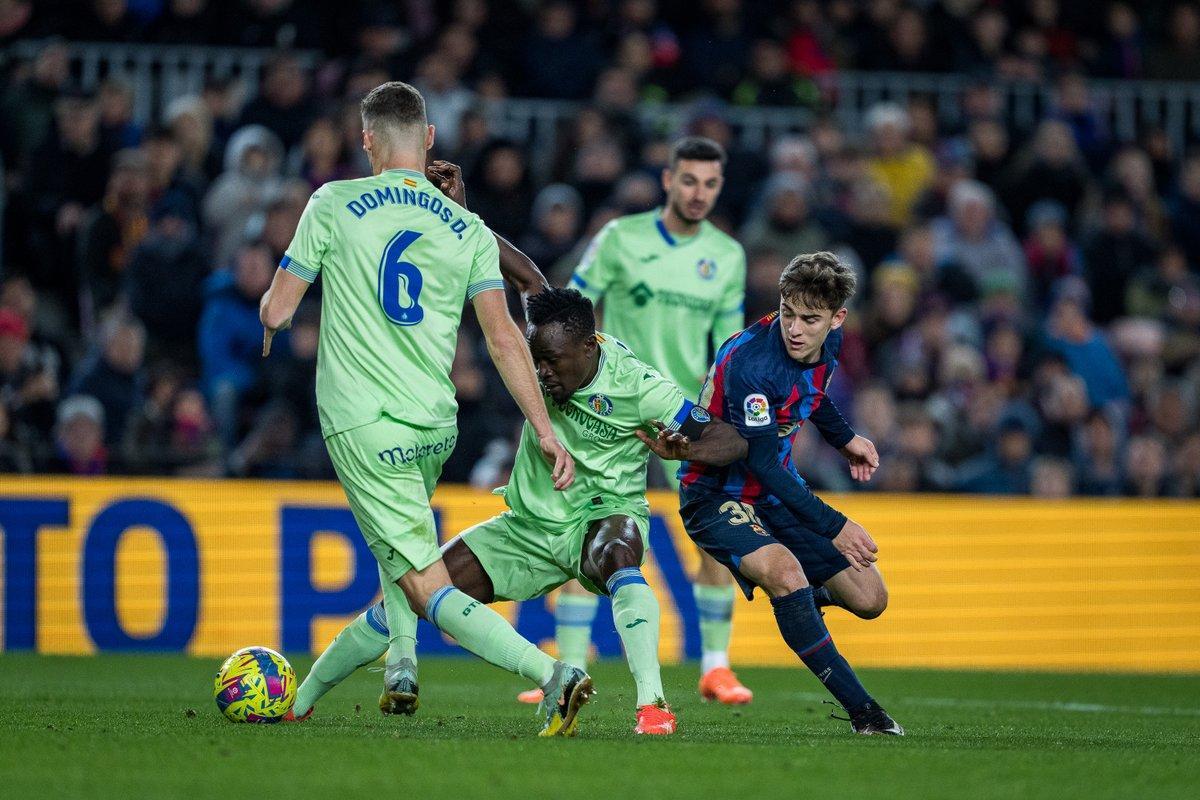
(368, 140)
(839, 318)
(429, 138)
(666, 180)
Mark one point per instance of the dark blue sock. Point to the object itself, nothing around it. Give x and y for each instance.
(822, 597)
(805, 632)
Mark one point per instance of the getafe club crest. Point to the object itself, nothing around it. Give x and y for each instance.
(706, 268)
(600, 404)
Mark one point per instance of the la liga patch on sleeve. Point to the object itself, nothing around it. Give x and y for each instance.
(757, 410)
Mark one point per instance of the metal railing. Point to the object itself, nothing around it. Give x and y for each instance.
(159, 73)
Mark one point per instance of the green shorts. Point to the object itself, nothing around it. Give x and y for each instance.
(389, 470)
(526, 560)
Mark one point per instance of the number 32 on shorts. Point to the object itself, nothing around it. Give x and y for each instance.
(741, 514)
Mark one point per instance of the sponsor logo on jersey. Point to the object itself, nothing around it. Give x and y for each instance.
(641, 294)
(706, 268)
(591, 428)
(600, 404)
(700, 415)
(757, 410)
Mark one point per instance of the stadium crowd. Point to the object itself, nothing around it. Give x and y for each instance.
(1028, 319)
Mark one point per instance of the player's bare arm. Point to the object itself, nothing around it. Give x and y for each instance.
(279, 304)
(510, 354)
(517, 268)
(718, 444)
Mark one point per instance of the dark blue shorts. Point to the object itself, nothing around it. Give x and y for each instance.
(729, 531)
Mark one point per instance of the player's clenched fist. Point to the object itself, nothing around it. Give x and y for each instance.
(856, 545)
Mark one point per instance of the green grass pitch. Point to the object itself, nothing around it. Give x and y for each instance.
(146, 726)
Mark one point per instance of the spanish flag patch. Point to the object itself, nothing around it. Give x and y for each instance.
(410, 182)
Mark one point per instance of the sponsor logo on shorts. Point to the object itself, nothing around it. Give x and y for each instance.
(700, 415)
(408, 455)
(600, 404)
(757, 410)
(635, 623)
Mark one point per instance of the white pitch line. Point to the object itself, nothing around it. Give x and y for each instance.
(1033, 705)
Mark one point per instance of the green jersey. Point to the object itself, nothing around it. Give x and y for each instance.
(673, 300)
(399, 260)
(597, 427)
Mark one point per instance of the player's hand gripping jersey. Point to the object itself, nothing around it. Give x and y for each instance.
(399, 261)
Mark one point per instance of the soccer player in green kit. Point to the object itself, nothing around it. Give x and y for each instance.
(672, 287)
(603, 400)
(399, 262)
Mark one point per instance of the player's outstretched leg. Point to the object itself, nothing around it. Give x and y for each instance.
(358, 644)
(715, 594)
(612, 556)
(574, 612)
(488, 635)
(400, 690)
(777, 571)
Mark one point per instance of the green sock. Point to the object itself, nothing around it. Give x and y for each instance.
(487, 634)
(401, 623)
(573, 616)
(357, 645)
(635, 612)
(715, 606)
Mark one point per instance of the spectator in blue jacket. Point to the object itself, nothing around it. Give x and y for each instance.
(230, 334)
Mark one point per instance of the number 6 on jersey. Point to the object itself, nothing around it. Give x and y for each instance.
(400, 282)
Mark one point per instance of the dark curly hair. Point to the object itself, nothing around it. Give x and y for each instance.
(819, 280)
(565, 306)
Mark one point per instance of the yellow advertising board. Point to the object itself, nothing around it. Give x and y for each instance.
(206, 567)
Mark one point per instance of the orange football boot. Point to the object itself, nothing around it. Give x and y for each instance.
(720, 684)
(655, 719)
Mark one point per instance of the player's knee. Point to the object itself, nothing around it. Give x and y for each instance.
(874, 603)
(783, 577)
(620, 552)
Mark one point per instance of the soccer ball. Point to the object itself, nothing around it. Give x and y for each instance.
(255, 684)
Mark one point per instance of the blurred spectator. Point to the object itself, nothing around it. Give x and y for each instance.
(768, 81)
(230, 334)
(975, 240)
(1048, 249)
(445, 97)
(164, 284)
(1178, 58)
(113, 374)
(29, 378)
(784, 222)
(111, 231)
(117, 127)
(560, 60)
(1070, 334)
(1051, 478)
(283, 105)
(1184, 209)
(1145, 467)
(500, 193)
(1007, 469)
(1051, 168)
(904, 168)
(251, 177)
(186, 22)
(1113, 254)
(190, 122)
(321, 157)
(79, 438)
(66, 175)
(557, 218)
(267, 450)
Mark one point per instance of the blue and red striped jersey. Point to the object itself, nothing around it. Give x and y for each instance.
(757, 387)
